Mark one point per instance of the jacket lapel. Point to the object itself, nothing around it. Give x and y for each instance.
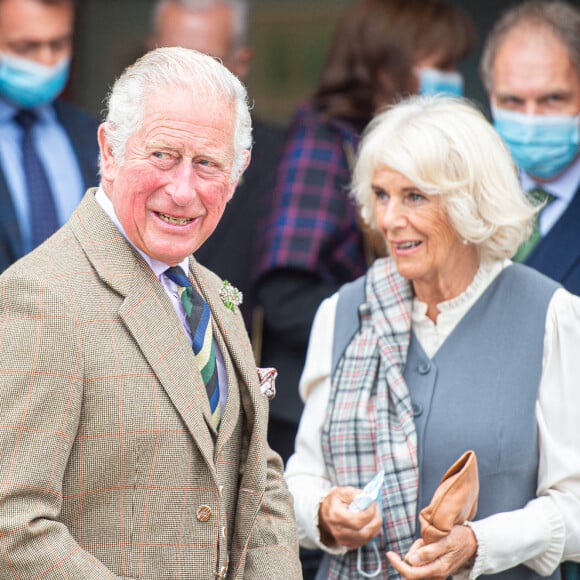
(148, 316)
(559, 251)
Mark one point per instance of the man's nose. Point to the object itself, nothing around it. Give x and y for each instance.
(182, 186)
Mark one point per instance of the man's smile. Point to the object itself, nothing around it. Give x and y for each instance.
(174, 220)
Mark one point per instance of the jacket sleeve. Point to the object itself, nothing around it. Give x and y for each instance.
(273, 549)
(41, 373)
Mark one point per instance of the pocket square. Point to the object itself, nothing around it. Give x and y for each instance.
(454, 501)
(267, 378)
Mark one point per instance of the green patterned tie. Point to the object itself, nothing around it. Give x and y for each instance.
(538, 196)
(199, 319)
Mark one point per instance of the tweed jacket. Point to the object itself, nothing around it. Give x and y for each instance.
(81, 129)
(109, 467)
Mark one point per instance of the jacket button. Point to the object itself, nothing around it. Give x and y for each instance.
(424, 368)
(417, 409)
(203, 513)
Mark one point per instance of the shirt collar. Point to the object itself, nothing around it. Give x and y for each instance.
(564, 187)
(8, 110)
(155, 265)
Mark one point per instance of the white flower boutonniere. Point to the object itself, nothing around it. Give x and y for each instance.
(230, 296)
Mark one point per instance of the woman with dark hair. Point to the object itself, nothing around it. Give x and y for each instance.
(312, 241)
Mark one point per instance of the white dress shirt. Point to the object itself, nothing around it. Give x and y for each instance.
(543, 533)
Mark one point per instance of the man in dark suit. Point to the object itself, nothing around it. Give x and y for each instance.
(531, 68)
(35, 53)
(220, 28)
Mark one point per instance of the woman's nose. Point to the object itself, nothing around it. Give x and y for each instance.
(392, 215)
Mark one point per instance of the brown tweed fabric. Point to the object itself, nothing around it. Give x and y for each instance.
(109, 466)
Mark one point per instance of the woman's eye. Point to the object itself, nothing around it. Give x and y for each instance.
(381, 194)
(416, 197)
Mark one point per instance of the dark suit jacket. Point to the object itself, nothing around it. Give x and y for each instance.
(229, 252)
(81, 129)
(558, 254)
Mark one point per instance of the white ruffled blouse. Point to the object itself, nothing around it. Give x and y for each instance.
(540, 535)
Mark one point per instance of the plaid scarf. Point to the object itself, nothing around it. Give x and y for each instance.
(369, 424)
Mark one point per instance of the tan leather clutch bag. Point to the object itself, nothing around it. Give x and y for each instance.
(454, 501)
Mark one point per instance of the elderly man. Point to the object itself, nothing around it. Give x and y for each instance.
(531, 68)
(48, 148)
(133, 428)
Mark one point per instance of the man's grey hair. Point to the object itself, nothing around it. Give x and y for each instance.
(240, 8)
(162, 71)
(561, 18)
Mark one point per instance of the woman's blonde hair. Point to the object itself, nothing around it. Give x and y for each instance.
(446, 147)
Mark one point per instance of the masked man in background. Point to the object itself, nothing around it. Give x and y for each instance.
(531, 69)
(48, 148)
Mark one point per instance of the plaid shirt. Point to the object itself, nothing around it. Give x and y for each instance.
(313, 224)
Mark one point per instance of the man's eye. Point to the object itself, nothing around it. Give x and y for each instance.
(163, 159)
(205, 163)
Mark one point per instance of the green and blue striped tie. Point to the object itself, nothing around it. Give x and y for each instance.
(199, 319)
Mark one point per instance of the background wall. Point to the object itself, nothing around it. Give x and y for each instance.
(290, 38)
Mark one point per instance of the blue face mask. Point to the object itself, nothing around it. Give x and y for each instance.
(541, 145)
(433, 81)
(29, 84)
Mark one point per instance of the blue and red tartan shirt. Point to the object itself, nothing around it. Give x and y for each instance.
(313, 223)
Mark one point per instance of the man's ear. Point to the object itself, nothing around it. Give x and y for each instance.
(108, 163)
(241, 170)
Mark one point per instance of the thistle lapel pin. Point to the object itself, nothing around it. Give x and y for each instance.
(230, 296)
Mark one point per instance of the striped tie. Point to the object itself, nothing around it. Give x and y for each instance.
(199, 319)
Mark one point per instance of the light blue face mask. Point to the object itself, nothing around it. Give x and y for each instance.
(433, 81)
(541, 145)
(29, 84)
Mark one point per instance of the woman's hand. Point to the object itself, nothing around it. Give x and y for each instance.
(439, 560)
(340, 526)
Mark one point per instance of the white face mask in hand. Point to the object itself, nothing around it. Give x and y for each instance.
(370, 493)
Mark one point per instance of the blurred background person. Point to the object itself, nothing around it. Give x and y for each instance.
(398, 377)
(312, 242)
(220, 28)
(48, 148)
(531, 68)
